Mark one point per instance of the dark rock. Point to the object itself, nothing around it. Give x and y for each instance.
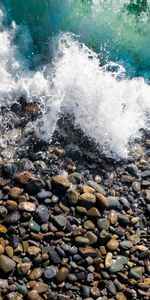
(44, 195)
(73, 151)
(111, 287)
(133, 170)
(13, 218)
(126, 245)
(13, 241)
(54, 256)
(103, 224)
(42, 214)
(125, 203)
(34, 186)
(3, 212)
(145, 174)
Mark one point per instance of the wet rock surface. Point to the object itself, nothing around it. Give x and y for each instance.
(73, 224)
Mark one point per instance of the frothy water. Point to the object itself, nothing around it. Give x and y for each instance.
(100, 74)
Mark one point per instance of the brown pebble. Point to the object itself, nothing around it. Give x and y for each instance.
(93, 212)
(112, 245)
(113, 217)
(1, 249)
(120, 296)
(62, 274)
(41, 287)
(9, 250)
(73, 196)
(24, 177)
(33, 250)
(15, 192)
(36, 274)
(3, 229)
(108, 260)
(102, 200)
(27, 206)
(11, 205)
(33, 295)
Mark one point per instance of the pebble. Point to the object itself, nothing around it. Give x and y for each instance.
(125, 203)
(112, 245)
(15, 192)
(33, 295)
(113, 202)
(3, 283)
(126, 245)
(50, 272)
(3, 212)
(120, 296)
(102, 200)
(27, 206)
(60, 183)
(36, 274)
(62, 274)
(13, 218)
(93, 212)
(108, 260)
(14, 241)
(80, 240)
(73, 196)
(111, 288)
(136, 186)
(136, 272)
(41, 287)
(88, 251)
(1, 249)
(103, 224)
(115, 268)
(24, 177)
(33, 250)
(87, 200)
(9, 251)
(88, 225)
(60, 220)
(34, 226)
(6, 264)
(54, 256)
(98, 188)
(42, 214)
(91, 237)
(44, 195)
(3, 229)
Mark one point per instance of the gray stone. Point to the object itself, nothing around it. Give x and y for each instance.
(42, 214)
(126, 245)
(50, 272)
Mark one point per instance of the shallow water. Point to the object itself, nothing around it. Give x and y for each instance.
(90, 58)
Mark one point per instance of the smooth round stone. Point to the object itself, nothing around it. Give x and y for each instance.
(93, 212)
(73, 196)
(88, 251)
(34, 186)
(33, 250)
(13, 218)
(115, 268)
(41, 287)
(44, 195)
(95, 292)
(3, 229)
(113, 217)
(27, 206)
(111, 288)
(3, 283)
(120, 296)
(33, 295)
(125, 245)
(42, 213)
(60, 183)
(6, 264)
(60, 220)
(54, 256)
(15, 192)
(136, 272)
(88, 225)
(34, 226)
(36, 274)
(50, 272)
(3, 212)
(112, 245)
(80, 240)
(103, 224)
(125, 203)
(108, 260)
(121, 260)
(113, 202)
(102, 200)
(14, 241)
(91, 237)
(73, 151)
(87, 200)
(22, 288)
(98, 188)
(62, 274)
(85, 291)
(24, 177)
(9, 251)
(123, 220)
(136, 186)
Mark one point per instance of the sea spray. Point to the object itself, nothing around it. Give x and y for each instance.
(109, 102)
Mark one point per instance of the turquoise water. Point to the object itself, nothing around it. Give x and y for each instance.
(90, 58)
(118, 29)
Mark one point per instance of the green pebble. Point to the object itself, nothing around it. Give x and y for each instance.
(98, 188)
(138, 232)
(22, 288)
(34, 226)
(113, 202)
(115, 268)
(37, 259)
(136, 273)
(121, 260)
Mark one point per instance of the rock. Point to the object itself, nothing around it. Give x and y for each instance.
(62, 274)
(34, 226)
(123, 220)
(3, 229)
(121, 260)
(1, 249)
(85, 291)
(60, 220)
(22, 288)
(3, 283)
(81, 240)
(34, 251)
(15, 192)
(136, 186)
(91, 237)
(13, 218)
(126, 179)
(113, 217)
(133, 170)
(115, 268)
(27, 206)
(112, 245)
(125, 245)
(73, 196)
(60, 183)
(95, 292)
(3, 212)
(54, 256)
(24, 177)
(86, 189)
(50, 272)
(87, 251)
(36, 274)
(145, 174)
(41, 287)
(73, 151)
(34, 186)
(125, 203)
(111, 288)
(6, 264)
(136, 272)
(120, 296)
(94, 185)
(33, 295)
(87, 200)
(88, 225)
(108, 260)
(42, 214)
(103, 224)
(93, 212)
(14, 241)
(113, 202)
(102, 200)
(44, 195)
